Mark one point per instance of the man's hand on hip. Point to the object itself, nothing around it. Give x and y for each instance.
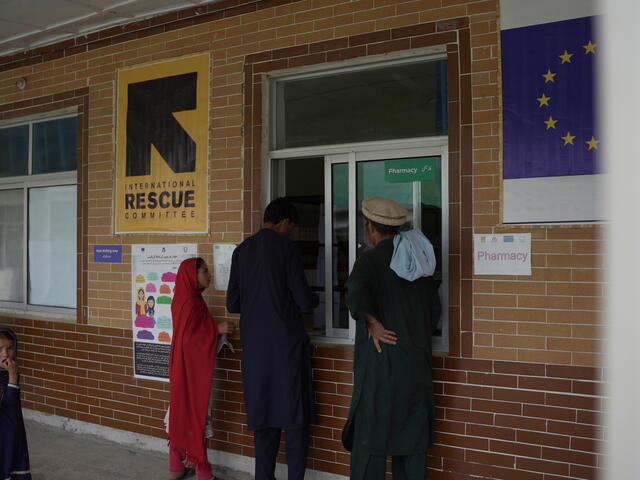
(378, 333)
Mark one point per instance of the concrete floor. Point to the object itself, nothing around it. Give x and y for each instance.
(57, 454)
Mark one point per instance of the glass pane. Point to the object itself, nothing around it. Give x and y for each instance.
(425, 195)
(54, 145)
(14, 151)
(340, 236)
(303, 184)
(431, 222)
(400, 101)
(52, 246)
(11, 239)
(371, 180)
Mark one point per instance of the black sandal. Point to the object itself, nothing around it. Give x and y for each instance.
(186, 473)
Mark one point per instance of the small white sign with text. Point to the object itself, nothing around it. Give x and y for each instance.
(503, 254)
(222, 253)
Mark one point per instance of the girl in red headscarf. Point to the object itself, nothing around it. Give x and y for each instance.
(191, 368)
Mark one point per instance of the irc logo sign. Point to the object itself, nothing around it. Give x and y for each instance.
(162, 146)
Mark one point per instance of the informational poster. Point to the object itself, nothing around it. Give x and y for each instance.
(502, 254)
(153, 270)
(222, 253)
(162, 147)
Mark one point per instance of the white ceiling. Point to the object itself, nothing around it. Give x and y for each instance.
(27, 24)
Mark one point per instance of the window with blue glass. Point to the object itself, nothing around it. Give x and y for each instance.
(38, 213)
(54, 145)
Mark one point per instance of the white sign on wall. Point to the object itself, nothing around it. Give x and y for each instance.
(502, 254)
(222, 253)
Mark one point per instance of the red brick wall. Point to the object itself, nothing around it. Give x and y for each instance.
(495, 419)
(518, 392)
(517, 420)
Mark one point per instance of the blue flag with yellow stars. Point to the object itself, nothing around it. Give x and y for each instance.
(549, 100)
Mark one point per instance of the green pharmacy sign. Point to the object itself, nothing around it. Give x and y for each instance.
(410, 169)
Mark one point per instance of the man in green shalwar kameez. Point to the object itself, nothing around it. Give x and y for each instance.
(392, 408)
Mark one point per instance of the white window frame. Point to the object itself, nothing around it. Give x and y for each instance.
(354, 152)
(271, 109)
(25, 183)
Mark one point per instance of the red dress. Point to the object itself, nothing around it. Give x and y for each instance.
(191, 366)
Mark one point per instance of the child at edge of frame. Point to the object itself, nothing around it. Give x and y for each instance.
(14, 454)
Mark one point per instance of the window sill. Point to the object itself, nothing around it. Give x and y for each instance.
(323, 341)
(70, 317)
(331, 341)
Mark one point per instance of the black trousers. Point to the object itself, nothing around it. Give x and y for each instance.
(267, 441)
(373, 467)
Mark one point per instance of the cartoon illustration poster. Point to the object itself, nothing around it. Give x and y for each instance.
(154, 269)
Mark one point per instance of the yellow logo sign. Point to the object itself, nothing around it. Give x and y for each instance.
(162, 146)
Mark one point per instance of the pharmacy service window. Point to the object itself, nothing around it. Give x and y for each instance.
(340, 136)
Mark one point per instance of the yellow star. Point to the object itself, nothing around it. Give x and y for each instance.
(544, 100)
(593, 143)
(568, 138)
(551, 123)
(566, 57)
(589, 48)
(548, 77)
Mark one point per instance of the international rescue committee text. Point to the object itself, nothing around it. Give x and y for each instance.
(166, 199)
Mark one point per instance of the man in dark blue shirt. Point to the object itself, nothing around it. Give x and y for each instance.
(268, 287)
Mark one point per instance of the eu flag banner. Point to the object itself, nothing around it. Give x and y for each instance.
(549, 100)
(551, 140)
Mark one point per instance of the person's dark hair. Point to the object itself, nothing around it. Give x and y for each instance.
(199, 263)
(7, 335)
(280, 209)
(384, 229)
(150, 297)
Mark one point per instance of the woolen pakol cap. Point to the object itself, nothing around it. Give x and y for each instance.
(384, 211)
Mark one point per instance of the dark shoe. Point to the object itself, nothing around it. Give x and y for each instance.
(186, 473)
